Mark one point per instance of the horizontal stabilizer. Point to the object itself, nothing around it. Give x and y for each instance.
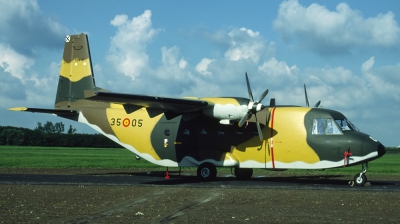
(162, 103)
(46, 111)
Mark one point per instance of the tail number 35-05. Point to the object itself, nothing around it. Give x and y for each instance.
(126, 122)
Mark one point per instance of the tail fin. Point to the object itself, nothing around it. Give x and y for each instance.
(76, 73)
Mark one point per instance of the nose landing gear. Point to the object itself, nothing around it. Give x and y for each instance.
(360, 179)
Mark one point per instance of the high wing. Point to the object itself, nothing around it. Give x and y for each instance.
(155, 105)
(46, 111)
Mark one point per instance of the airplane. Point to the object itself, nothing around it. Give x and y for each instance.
(235, 132)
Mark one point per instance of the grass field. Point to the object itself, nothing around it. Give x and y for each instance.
(57, 157)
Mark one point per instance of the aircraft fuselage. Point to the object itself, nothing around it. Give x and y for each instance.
(291, 139)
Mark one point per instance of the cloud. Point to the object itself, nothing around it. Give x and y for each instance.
(203, 66)
(366, 66)
(128, 46)
(172, 68)
(19, 82)
(245, 44)
(278, 72)
(377, 81)
(24, 32)
(24, 27)
(11, 87)
(14, 63)
(334, 32)
(245, 51)
(129, 58)
(337, 87)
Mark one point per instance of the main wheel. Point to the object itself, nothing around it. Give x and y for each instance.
(360, 180)
(243, 173)
(206, 172)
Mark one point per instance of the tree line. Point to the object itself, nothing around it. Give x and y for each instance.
(50, 134)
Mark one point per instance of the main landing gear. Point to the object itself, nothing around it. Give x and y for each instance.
(360, 179)
(206, 172)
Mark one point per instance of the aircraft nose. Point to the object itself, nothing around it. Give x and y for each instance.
(381, 150)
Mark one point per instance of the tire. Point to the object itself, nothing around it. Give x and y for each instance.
(206, 172)
(243, 173)
(360, 180)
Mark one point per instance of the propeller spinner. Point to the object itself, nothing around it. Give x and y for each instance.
(253, 107)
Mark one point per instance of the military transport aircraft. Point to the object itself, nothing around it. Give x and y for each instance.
(211, 132)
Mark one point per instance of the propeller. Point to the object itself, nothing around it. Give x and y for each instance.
(307, 103)
(253, 107)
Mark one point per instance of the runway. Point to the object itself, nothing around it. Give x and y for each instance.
(111, 196)
(322, 182)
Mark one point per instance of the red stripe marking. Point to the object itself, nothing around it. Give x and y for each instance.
(272, 137)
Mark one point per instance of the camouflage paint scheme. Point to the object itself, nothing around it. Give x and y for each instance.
(183, 132)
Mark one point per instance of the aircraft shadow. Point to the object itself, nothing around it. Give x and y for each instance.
(175, 178)
(144, 173)
(327, 180)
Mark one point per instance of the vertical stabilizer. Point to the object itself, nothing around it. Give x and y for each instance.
(76, 73)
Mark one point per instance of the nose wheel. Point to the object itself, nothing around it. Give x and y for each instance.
(360, 179)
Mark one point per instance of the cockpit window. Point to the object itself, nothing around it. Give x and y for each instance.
(332, 128)
(318, 126)
(322, 126)
(346, 125)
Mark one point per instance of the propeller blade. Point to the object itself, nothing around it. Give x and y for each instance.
(305, 93)
(254, 107)
(260, 135)
(244, 118)
(262, 96)
(249, 89)
(259, 132)
(317, 104)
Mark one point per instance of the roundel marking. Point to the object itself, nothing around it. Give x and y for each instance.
(126, 122)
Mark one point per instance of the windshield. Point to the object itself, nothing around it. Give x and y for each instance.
(346, 125)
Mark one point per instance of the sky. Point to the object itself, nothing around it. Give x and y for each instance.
(347, 53)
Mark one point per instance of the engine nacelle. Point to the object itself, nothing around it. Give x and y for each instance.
(228, 111)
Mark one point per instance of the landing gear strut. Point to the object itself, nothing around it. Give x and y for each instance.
(360, 179)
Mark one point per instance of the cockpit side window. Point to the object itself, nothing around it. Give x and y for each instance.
(318, 126)
(322, 126)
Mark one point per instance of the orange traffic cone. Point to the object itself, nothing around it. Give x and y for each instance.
(167, 174)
